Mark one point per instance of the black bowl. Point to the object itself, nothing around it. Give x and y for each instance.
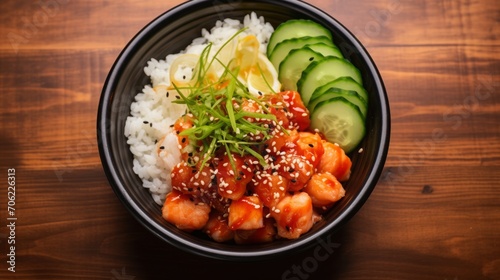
(170, 33)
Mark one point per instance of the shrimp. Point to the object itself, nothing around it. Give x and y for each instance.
(296, 169)
(184, 212)
(278, 109)
(324, 190)
(183, 123)
(250, 106)
(264, 234)
(232, 180)
(246, 213)
(181, 175)
(335, 161)
(212, 197)
(201, 179)
(310, 146)
(293, 215)
(270, 188)
(217, 227)
(297, 112)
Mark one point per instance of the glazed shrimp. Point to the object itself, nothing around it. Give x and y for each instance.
(335, 161)
(183, 123)
(270, 188)
(297, 112)
(181, 175)
(260, 235)
(310, 146)
(184, 212)
(293, 215)
(191, 180)
(297, 169)
(324, 190)
(246, 213)
(231, 181)
(217, 227)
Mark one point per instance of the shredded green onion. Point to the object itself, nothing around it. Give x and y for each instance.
(218, 120)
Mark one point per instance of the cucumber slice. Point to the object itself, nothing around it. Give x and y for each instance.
(326, 49)
(321, 72)
(295, 62)
(349, 95)
(346, 83)
(340, 122)
(283, 48)
(296, 28)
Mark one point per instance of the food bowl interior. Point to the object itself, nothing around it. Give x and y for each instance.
(172, 32)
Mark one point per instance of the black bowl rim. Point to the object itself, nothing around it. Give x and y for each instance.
(302, 243)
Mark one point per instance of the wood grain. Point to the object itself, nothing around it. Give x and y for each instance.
(433, 215)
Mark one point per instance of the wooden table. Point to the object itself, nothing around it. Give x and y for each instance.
(435, 213)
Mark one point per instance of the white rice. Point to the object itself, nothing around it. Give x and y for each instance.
(152, 113)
